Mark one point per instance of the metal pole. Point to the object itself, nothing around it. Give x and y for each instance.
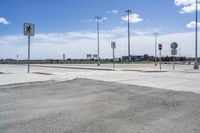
(155, 48)
(173, 62)
(129, 51)
(28, 54)
(113, 58)
(196, 64)
(98, 19)
(179, 55)
(98, 40)
(160, 60)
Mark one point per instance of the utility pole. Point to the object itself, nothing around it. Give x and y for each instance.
(156, 34)
(129, 53)
(98, 18)
(196, 64)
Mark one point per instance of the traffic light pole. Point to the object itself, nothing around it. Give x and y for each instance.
(160, 61)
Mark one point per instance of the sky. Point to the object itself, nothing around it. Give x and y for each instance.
(69, 27)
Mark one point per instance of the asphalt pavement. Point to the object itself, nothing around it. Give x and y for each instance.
(90, 106)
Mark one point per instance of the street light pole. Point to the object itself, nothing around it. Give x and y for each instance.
(156, 34)
(129, 53)
(196, 64)
(98, 18)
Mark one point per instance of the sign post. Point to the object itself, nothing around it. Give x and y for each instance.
(160, 49)
(174, 47)
(113, 46)
(29, 41)
(29, 30)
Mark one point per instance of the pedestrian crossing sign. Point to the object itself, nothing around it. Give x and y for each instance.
(29, 29)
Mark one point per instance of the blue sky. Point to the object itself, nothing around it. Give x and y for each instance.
(62, 17)
(66, 15)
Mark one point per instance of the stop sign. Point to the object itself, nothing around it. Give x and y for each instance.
(160, 46)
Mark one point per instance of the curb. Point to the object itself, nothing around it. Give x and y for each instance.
(73, 67)
(148, 71)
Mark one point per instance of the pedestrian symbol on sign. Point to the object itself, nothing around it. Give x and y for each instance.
(29, 29)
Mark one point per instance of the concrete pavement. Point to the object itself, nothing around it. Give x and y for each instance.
(182, 79)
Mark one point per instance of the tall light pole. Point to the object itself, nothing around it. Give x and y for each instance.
(129, 53)
(196, 64)
(98, 18)
(156, 34)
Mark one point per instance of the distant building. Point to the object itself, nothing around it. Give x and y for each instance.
(144, 57)
(89, 56)
(95, 56)
(63, 56)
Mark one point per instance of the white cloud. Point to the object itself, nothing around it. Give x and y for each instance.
(78, 44)
(113, 11)
(187, 6)
(184, 2)
(190, 8)
(134, 18)
(94, 20)
(102, 19)
(192, 24)
(87, 20)
(4, 21)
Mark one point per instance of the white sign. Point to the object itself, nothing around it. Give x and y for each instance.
(113, 45)
(95, 56)
(173, 52)
(174, 45)
(29, 29)
(89, 56)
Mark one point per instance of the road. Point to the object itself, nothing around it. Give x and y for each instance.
(90, 106)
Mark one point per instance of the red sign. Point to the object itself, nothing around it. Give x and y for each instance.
(160, 46)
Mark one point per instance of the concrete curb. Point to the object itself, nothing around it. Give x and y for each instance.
(75, 67)
(139, 70)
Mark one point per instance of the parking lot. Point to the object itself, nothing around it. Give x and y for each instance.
(132, 98)
(183, 78)
(88, 106)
